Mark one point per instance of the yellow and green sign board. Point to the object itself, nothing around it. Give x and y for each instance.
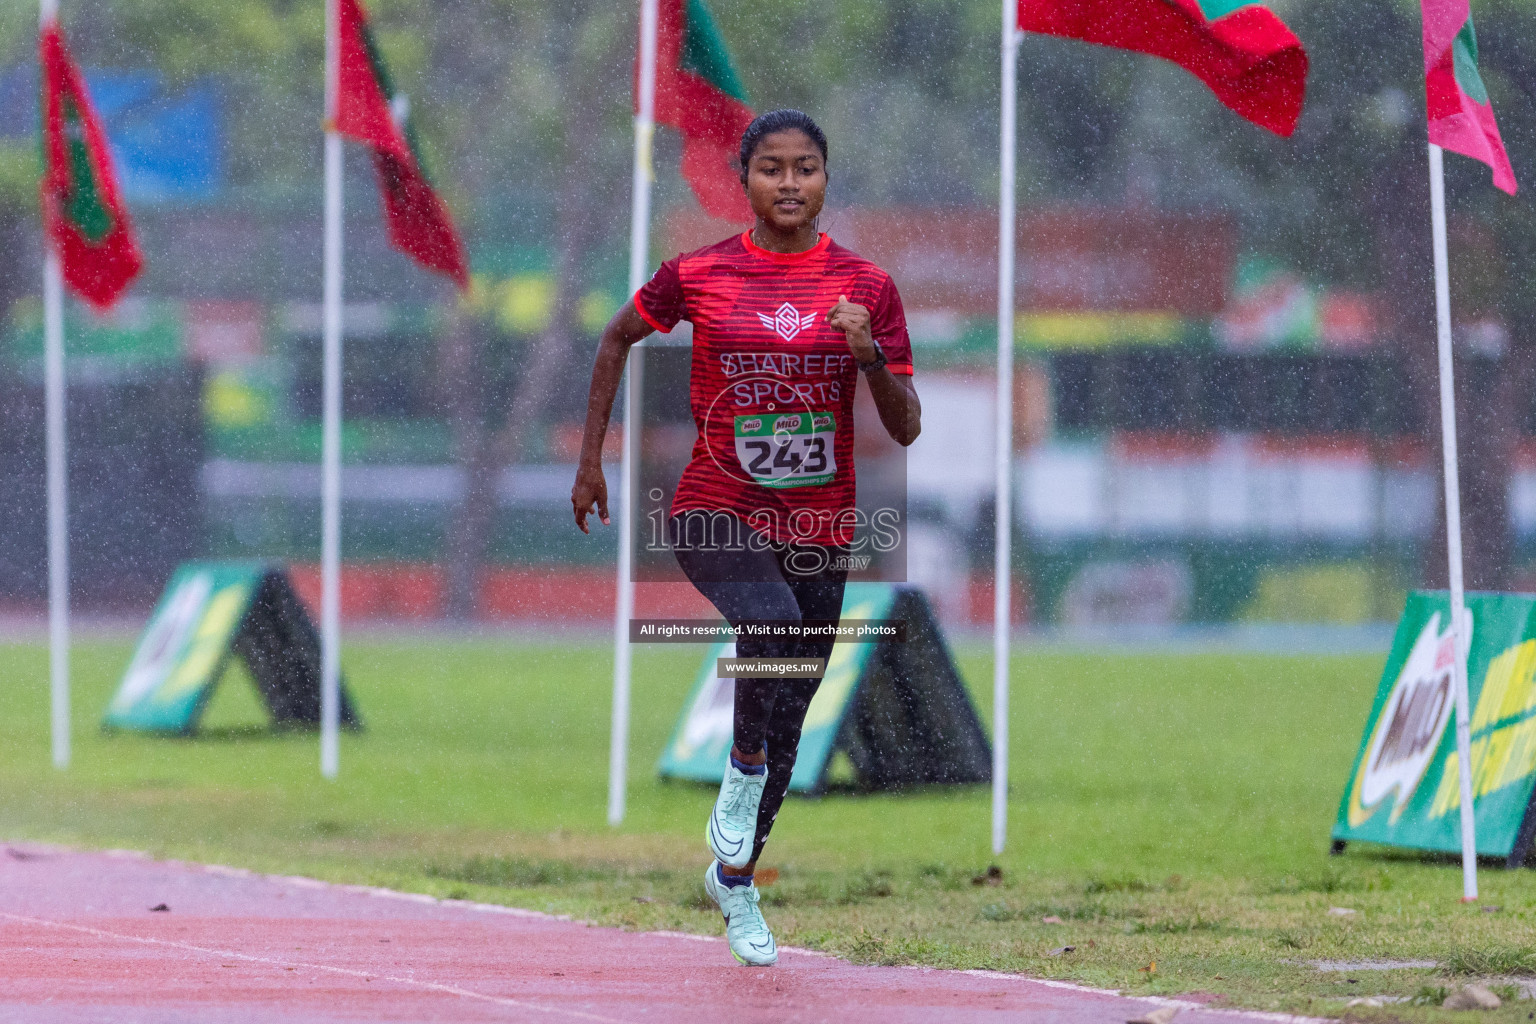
(898, 709)
(1405, 788)
(211, 611)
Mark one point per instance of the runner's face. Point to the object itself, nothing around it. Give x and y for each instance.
(786, 181)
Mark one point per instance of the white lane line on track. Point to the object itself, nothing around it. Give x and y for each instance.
(228, 872)
(230, 954)
(1065, 986)
(1178, 1004)
(689, 936)
(1264, 1015)
(416, 897)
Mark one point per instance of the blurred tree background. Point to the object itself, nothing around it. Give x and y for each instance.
(524, 108)
(906, 88)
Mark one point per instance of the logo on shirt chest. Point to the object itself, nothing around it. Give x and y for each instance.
(787, 322)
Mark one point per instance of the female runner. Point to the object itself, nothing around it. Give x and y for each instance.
(785, 321)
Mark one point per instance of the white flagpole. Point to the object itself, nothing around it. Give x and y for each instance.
(639, 262)
(58, 484)
(1002, 572)
(58, 504)
(330, 458)
(1453, 521)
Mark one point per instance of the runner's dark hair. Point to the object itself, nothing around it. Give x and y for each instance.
(772, 123)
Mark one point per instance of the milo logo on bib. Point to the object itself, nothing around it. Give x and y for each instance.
(792, 450)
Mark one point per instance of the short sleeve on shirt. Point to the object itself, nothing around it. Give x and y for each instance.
(660, 301)
(888, 324)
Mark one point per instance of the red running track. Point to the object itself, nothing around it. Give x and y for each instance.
(79, 943)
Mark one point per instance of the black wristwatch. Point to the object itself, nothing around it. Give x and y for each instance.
(875, 363)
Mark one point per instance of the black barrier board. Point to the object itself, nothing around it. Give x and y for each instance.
(898, 709)
(912, 720)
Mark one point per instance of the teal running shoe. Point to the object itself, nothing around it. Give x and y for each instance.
(732, 827)
(745, 930)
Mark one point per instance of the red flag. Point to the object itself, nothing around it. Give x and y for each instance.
(1246, 55)
(83, 211)
(699, 93)
(369, 110)
(1460, 114)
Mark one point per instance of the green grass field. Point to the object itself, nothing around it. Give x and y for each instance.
(1171, 809)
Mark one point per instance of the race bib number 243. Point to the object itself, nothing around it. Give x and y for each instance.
(787, 450)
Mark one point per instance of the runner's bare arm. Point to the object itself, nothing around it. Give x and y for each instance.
(896, 399)
(590, 489)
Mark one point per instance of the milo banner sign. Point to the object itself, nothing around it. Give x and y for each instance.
(1405, 789)
(211, 612)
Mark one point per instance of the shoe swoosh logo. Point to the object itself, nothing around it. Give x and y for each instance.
(727, 847)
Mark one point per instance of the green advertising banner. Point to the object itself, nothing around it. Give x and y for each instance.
(184, 646)
(900, 710)
(1405, 787)
(209, 612)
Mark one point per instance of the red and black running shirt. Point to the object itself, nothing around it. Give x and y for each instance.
(771, 386)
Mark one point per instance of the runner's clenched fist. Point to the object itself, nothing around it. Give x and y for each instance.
(853, 320)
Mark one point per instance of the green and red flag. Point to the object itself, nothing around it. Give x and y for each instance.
(1242, 51)
(83, 210)
(1460, 115)
(699, 93)
(369, 110)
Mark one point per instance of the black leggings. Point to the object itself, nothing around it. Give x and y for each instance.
(756, 582)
